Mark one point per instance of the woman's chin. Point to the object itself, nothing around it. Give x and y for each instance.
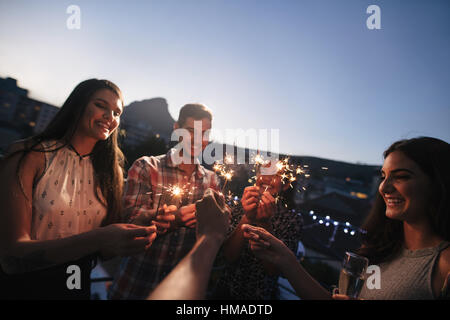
(394, 214)
(104, 135)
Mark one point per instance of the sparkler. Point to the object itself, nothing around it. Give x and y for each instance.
(258, 159)
(175, 192)
(224, 171)
(288, 173)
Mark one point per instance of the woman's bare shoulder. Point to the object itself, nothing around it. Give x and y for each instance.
(32, 157)
(445, 258)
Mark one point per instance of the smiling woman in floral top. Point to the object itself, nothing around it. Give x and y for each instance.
(61, 196)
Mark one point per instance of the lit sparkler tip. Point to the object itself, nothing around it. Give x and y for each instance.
(228, 159)
(176, 191)
(258, 159)
(280, 165)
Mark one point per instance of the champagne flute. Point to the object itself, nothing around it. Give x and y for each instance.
(351, 279)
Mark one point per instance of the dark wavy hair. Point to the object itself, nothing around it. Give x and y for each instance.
(107, 158)
(384, 236)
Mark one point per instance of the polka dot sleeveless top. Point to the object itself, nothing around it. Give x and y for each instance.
(64, 201)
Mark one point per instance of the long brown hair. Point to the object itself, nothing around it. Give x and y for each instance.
(107, 158)
(384, 236)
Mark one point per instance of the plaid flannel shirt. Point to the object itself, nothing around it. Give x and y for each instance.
(147, 183)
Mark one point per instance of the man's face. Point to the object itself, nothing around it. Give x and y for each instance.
(198, 139)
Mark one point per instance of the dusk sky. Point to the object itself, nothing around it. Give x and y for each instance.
(311, 69)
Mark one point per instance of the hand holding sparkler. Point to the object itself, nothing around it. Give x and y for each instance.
(186, 216)
(249, 201)
(266, 208)
(258, 206)
(164, 217)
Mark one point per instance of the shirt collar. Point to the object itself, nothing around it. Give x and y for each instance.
(200, 170)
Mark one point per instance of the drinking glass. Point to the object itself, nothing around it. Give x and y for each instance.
(351, 279)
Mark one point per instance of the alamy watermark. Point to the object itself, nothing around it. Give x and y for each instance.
(373, 22)
(373, 281)
(74, 280)
(197, 145)
(73, 22)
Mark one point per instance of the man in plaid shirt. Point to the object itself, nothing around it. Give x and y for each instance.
(150, 199)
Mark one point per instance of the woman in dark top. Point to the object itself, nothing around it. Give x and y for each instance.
(408, 230)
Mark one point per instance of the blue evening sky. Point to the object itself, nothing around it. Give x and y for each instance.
(311, 69)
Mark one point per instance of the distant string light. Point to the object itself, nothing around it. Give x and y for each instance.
(326, 221)
(346, 226)
(289, 173)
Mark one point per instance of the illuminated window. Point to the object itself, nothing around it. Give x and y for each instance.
(37, 108)
(359, 195)
(32, 124)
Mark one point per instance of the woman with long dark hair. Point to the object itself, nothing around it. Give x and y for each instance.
(408, 229)
(61, 199)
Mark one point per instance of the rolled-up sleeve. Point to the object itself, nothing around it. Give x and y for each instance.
(138, 198)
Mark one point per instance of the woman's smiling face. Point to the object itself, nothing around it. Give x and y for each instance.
(102, 115)
(405, 188)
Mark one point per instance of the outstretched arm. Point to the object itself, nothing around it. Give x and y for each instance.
(258, 210)
(267, 247)
(189, 279)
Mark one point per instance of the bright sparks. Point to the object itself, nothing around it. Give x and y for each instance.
(176, 191)
(223, 169)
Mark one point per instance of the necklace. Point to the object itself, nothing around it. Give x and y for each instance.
(79, 155)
